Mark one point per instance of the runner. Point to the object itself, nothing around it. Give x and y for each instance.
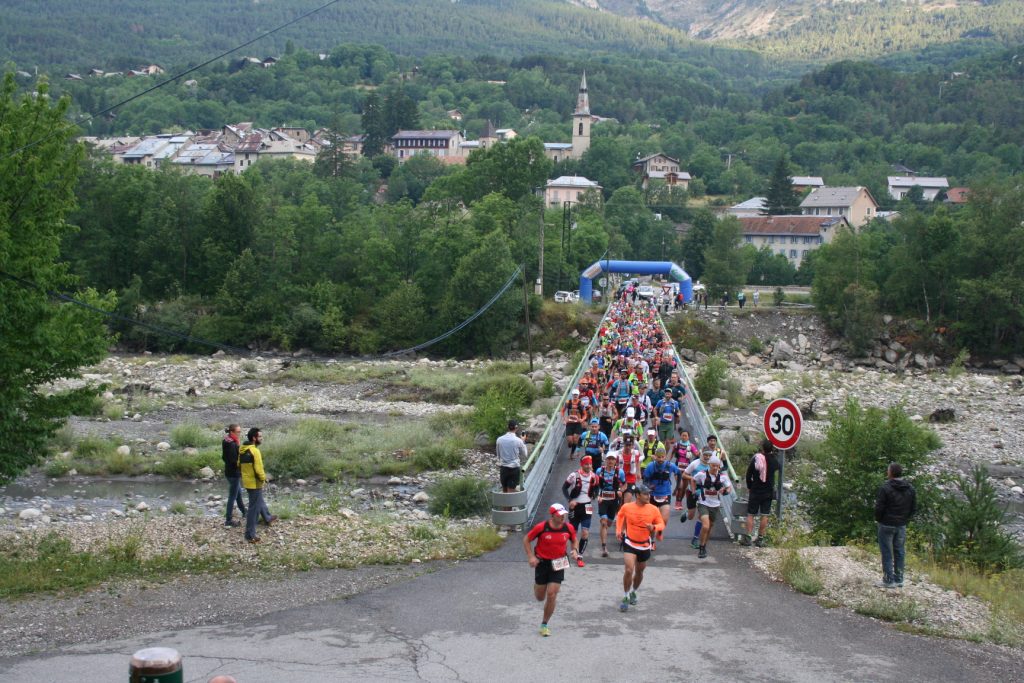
(606, 415)
(668, 412)
(579, 488)
(684, 452)
(548, 560)
(709, 487)
(629, 457)
(719, 451)
(612, 481)
(594, 442)
(621, 389)
(574, 413)
(658, 477)
(649, 446)
(635, 525)
(695, 467)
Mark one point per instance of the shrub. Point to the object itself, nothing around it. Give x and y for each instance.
(710, 377)
(445, 455)
(972, 527)
(178, 508)
(57, 467)
(93, 447)
(518, 386)
(694, 333)
(460, 497)
(182, 465)
(192, 435)
(754, 346)
(295, 455)
(956, 368)
(886, 609)
(850, 464)
(495, 408)
(548, 388)
(779, 296)
(63, 439)
(113, 411)
(115, 463)
(798, 572)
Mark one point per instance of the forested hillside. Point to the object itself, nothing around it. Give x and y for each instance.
(124, 34)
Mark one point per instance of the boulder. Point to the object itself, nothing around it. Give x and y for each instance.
(1010, 369)
(771, 390)
(142, 507)
(921, 361)
(1018, 490)
(482, 440)
(891, 356)
(395, 481)
(719, 403)
(117, 513)
(206, 473)
(782, 350)
(801, 340)
(942, 415)
(189, 450)
(897, 347)
(300, 482)
(30, 514)
(737, 358)
(163, 446)
(421, 497)
(753, 361)
(731, 422)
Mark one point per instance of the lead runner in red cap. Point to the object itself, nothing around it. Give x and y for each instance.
(549, 559)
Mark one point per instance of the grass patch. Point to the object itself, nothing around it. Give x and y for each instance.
(51, 565)
(191, 434)
(899, 610)
(460, 497)
(799, 573)
(57, 467)
(1003, 592)
(113, 411)
(710, 378)
(693, 333)
(178, 508)
(186, 466)
(63, 439)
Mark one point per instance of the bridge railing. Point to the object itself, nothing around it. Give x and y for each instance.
(542, 457)
(701, 427)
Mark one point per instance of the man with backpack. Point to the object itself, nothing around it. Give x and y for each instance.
(549, 559)
(611, 482)
(709, 487)
(761, 489)
(254, 478)
(579, 488)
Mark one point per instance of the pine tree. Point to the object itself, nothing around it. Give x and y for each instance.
(374, 126)
(781, 200)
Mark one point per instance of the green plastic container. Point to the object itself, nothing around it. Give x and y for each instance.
(156, 665)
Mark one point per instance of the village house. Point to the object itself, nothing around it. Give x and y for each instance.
(900, 185)
(855, 204)
(791, 236)
(660, 168)
(755, 206)
(802, 183)
(211, 159)
(443, 144)
(567, 189)
(957, 195)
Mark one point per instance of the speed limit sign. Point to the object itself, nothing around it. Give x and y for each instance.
(783, 423)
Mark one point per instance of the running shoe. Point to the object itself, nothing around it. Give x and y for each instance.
(695, 544)
(545, 631)
(745, 541)
(580, 562)
(760, 542)
(624, 605)
(679, 506)
(703, 553)
(604, 551)
(632, 597)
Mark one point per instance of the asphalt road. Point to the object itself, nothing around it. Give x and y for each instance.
(713, 619)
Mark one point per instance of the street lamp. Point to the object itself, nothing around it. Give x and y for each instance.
(538, 287)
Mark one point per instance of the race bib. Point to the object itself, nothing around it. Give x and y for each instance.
(608, 495)
(589, 509)
(660, 499)
(560, 564)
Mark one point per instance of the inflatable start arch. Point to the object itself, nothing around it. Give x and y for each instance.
(639, 268)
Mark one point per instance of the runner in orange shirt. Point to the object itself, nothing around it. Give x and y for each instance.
(641, 520)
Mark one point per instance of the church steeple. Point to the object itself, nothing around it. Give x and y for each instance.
(581, 121)
(583, 99)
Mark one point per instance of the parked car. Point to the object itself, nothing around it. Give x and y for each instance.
(562, 297)
(646, 292)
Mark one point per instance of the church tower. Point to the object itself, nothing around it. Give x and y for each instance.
(581, 121)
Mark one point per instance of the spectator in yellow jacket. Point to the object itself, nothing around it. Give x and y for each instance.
(250, 462)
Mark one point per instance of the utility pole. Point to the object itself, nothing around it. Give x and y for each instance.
(539, 287)
(526, 312)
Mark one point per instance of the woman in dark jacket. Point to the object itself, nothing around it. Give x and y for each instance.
(229, 453)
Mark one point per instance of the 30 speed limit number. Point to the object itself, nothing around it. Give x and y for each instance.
(783, 423)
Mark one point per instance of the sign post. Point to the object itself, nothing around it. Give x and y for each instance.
(783, 424)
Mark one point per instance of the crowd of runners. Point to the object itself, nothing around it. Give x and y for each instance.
(626, 427)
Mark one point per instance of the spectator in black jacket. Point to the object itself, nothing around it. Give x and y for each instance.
(229, 453)
(761, 489)
(895, 505)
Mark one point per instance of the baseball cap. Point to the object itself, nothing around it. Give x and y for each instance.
(642, 489)
(575, 392)
(595, 421)
(651, 432)
(659, 449)
(715, 460)
(558, 509)
(630, 412)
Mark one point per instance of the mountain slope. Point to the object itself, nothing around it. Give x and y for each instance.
(831, 29)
